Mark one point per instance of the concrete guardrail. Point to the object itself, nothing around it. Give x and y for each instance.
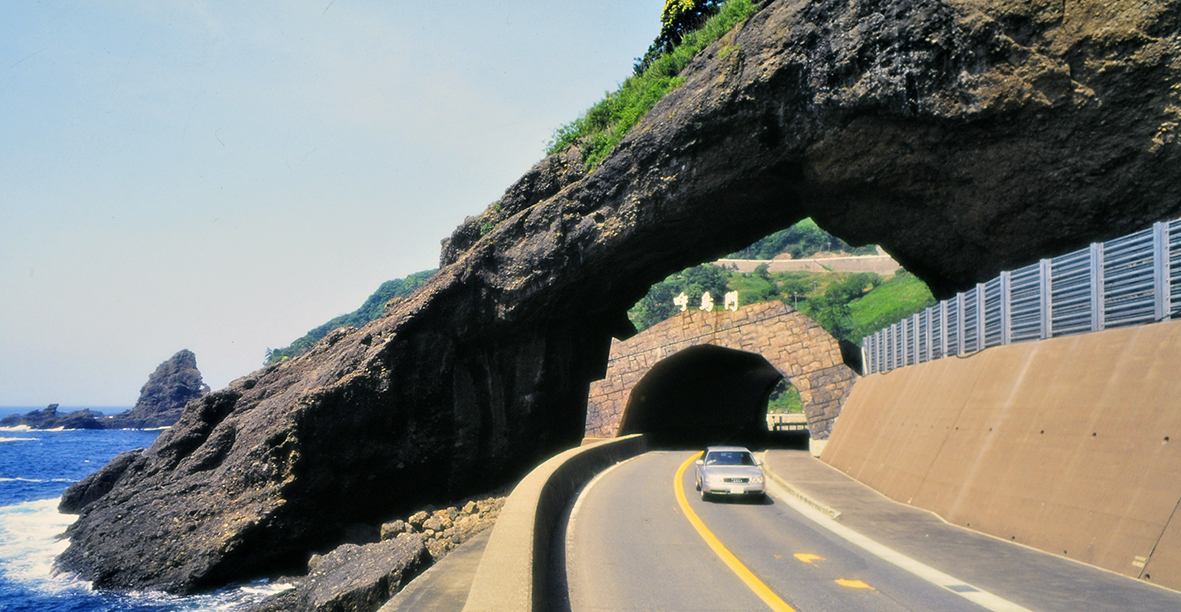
(513, 571)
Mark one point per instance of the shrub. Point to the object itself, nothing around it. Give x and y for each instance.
(605, 124)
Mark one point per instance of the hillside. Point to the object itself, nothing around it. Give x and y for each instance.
(848, 305)
(373, 307)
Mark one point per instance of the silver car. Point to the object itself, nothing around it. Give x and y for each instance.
(729, 470)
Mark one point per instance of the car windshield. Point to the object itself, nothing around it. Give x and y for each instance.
(729, 458)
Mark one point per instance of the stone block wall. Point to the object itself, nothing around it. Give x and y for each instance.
(799, 348)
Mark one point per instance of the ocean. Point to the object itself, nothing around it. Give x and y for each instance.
(35, 468)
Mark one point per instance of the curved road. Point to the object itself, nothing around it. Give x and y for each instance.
(629, 546)
(631, 543)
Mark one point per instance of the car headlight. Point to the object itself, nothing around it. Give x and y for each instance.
(756, 480)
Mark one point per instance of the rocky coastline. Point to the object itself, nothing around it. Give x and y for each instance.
(170, 387)
(361, 575)
(50, 418)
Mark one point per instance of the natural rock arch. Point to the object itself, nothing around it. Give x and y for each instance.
(965, 137)
(799, 349)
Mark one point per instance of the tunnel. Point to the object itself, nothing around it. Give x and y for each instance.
(703, 395)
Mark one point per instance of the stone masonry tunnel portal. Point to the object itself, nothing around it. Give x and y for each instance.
(705, 376)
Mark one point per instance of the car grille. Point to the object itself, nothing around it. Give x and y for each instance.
(735, 480)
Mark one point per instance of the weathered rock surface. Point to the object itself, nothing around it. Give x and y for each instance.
(162, 399)
(355, 578)
(50, 418)
(97, 484)
(964, 136)
(362, 577)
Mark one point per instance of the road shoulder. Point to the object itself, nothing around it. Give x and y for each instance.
(1029, 577)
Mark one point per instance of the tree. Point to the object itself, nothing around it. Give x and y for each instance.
(658, 305)
(678, 18)
(832, 311)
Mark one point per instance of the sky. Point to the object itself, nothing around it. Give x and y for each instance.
(224, 176)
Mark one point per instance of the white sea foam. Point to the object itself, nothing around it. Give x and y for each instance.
(16, 428)
(17, 439)
(19, 479)
(30, 541)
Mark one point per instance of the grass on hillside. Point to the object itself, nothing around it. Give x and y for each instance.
(895, 299)
(606, 123)
(785, 398)
(373, 307)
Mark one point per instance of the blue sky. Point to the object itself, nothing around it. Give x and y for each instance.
(224, 176)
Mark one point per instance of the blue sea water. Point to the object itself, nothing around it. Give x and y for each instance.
(35, 468)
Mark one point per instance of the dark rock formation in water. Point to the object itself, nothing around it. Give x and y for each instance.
(964, 137)
(50, 418)
(361, 576)
(162, 399)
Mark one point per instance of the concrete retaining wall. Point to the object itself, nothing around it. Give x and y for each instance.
(1070, 445)
(513, 571)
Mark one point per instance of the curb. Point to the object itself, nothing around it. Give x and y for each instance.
(796, 493)
(514, 569)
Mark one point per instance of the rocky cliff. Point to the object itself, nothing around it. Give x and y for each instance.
(162, 399)
(963, 136)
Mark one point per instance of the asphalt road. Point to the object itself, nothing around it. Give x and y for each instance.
(629, 546)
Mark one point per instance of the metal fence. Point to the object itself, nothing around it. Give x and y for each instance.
(1131, 280)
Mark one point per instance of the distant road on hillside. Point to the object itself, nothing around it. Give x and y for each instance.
(879, 264)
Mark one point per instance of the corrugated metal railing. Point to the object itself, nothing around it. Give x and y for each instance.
(1131, 280)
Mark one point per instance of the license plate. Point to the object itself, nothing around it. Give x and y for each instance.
(738, 491)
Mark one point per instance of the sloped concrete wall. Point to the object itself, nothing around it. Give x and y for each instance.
(1070, 445)
(797, 346)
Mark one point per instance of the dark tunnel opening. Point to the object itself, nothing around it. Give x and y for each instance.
(707, 395)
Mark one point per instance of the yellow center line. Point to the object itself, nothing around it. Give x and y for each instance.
(727, 557)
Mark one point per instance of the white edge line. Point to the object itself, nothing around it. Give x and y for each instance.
(926, 572)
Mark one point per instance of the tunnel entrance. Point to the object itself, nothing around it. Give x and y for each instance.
(703, 395)
(772, 339)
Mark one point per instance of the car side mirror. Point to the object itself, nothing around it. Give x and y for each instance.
(700, 462)
(759, 463)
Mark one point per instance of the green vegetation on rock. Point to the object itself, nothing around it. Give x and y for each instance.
(785, 398)
(606, 123)
(373, 307)
(895, 299)
(804, 239)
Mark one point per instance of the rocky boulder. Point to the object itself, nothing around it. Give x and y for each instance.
(50, 418)
(965, 137)
(361, 577)
(355, 578)
(175, 382)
